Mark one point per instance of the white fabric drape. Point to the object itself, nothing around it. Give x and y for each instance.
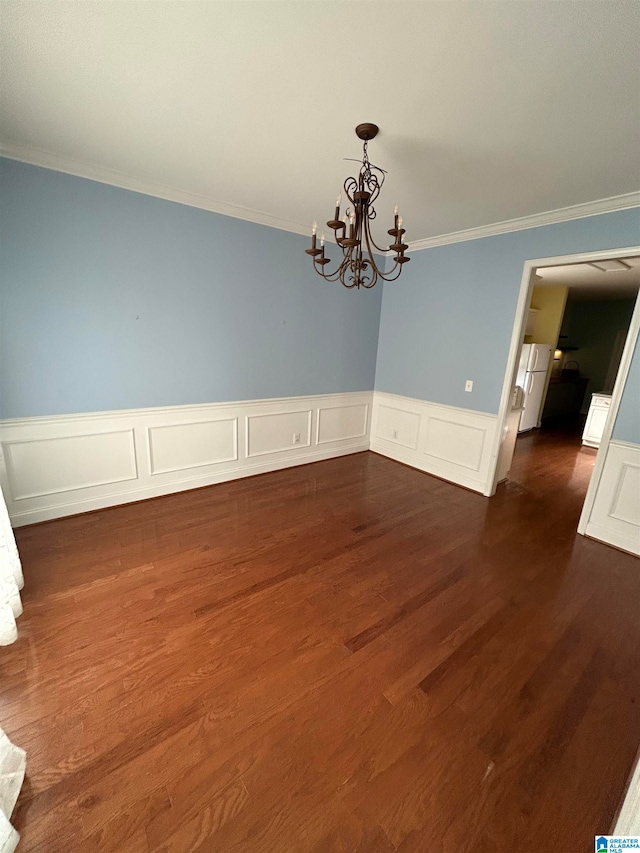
(12, 766)
(11, 580)
(12, 758)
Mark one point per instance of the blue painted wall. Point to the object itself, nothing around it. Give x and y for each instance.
(450, 315)
(110, 299)
(627, 425)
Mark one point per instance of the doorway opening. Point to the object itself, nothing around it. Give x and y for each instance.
(575, 332)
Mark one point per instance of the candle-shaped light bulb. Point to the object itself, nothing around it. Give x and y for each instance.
(322, 240)
(395, 209)
(399, 222)
(352, 217)
(314, 228)
(338, 199)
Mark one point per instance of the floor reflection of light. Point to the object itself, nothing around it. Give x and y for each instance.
(582, 469)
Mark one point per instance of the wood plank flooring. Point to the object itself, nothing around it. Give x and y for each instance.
(346, 656)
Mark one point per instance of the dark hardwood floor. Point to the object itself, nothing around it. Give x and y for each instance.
(347, 656)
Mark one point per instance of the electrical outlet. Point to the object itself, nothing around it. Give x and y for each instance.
(468, 385)
(395, 433)
(296, 438)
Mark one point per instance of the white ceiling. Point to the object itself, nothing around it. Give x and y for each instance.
(585, 282)
(488, 111)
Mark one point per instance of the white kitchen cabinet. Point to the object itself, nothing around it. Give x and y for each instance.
(596, 419)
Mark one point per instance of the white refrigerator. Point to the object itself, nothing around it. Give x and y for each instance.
(532, 375)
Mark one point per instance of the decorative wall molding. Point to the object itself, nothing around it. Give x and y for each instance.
(62, 465)
(80, 169)
(274, 432)
(50, 465)
(192, 444)
(451, 443)
(535, 220)
(615, 514)
(341, 423)
(67, 464)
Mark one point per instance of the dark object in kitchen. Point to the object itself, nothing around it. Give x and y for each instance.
(571, 371)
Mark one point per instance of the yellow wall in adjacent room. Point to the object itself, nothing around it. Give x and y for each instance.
(550, 302)
(546, 322)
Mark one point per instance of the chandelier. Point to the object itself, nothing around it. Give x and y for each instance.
(358, 267)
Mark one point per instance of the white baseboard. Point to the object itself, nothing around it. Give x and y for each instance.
(62, 465)
(451, 443)
(615, 514)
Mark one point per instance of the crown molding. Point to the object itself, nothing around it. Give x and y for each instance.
(536, 220)
(37, 157)
(79, 169)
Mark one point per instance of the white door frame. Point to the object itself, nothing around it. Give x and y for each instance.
(517, 339)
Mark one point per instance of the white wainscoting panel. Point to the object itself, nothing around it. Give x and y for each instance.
(47, 466)
(277, 432)
(615, 515)
(625, 505)
(62, 465)
(341, 423)
(457, 443)
(177, 447)
(451, 443)
(399, 426)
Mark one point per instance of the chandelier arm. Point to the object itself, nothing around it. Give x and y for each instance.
(356, 283)
(370, 264)
(376, 183)
(396, 266)
(381, 274)
(350, 184)
(328, 276)
(390, 277)
(339, 271)
(350, 268)
(332, 276)
(374, 278)
(370, 240)
(379, 248)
